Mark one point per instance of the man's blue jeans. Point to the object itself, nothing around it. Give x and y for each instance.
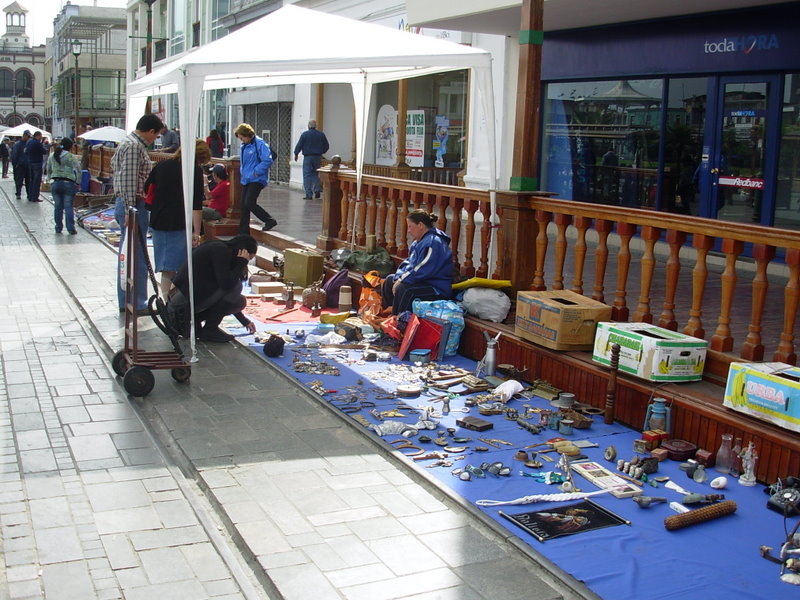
(141, 268)
(310, 176)
(34, 181)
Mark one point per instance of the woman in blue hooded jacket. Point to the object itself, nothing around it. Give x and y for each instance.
(427, 273)
(255, 160)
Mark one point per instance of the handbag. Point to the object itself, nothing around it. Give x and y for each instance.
(150, 196)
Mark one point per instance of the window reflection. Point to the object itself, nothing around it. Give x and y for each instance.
(787, 196)
(601, 141)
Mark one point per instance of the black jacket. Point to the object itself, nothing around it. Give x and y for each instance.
(167, 212)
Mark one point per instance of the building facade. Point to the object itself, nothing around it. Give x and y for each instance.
(689, 108)
(22, 73)
(87, 86)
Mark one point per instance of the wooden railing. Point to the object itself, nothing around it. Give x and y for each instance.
(683, 273)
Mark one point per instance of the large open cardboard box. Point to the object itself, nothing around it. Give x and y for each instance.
(559, 319)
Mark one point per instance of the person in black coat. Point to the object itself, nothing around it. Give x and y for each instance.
(19, 160)
(218, 269)
(5, 154)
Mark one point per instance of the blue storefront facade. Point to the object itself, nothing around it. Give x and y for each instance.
(695, 115)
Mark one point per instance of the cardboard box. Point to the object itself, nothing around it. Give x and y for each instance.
(559, 319)
(768, 391)
(267, 287)
(303, 267)
(651, 352)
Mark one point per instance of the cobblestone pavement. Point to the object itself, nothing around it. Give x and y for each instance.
(240, 466)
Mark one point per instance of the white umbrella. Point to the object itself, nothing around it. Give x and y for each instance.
(18, 130)
(105, 134)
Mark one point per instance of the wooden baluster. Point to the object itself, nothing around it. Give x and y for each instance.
(581, 224)
(752, 348)
(468, 268)
(441, 213)
(650, 235)
(500, 248)
(791, 299)
(603, 228)
(620, 309)
(694, 327)
(456, 206)
(383, 212)
(611, 388)
(402, 234)
(344, 226)
(542, 219)
(562, 221)
(675, 239)
(390, 241)
(486, 232)
(722, 341)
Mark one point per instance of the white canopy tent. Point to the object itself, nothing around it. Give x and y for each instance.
(296, 45)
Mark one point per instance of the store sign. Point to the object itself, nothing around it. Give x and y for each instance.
(749, 183)
(744, 43)
(415, 138)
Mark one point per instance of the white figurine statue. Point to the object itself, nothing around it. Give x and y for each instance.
(749, 458)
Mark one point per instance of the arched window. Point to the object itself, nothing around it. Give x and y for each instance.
(6, 83)
(24, 85)
(35, 119)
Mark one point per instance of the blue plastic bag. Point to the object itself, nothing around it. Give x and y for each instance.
(447, 310)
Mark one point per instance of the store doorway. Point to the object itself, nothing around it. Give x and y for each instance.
(737, 171)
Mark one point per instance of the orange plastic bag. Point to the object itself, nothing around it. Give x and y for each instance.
(370, 300)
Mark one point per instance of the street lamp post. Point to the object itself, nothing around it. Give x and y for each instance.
(148, 60)
(14, 110)
(76, 52)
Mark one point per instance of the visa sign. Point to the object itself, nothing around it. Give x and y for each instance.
(744, 43)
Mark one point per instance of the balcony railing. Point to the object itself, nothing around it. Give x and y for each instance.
(680, 272)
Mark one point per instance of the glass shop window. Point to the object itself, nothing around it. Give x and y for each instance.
(683, 143)
(601, 140)
(787, 195)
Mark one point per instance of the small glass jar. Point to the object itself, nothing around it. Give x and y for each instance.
(700, 474)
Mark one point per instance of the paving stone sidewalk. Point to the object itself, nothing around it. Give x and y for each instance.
(316, 507)
(88, 507)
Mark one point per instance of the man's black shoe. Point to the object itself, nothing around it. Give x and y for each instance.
(317, 195)
(269, 225)
(306, 197)
(215, 335)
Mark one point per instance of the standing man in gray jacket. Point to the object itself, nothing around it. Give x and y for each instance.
(313, 144)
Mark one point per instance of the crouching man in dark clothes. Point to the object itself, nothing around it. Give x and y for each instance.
(219, 267)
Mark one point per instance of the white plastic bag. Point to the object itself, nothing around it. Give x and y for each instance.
(486, 303)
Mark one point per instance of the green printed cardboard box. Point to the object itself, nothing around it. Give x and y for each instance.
(651, 352)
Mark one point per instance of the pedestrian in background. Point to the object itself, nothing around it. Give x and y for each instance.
(5, 155)
(36, 151)
(19, 161)
(313, 144)
(64, 171)
(131, 166)
(255, 161)
(215, 143)
(170, 140)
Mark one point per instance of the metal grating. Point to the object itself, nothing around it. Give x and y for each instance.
(273, 122)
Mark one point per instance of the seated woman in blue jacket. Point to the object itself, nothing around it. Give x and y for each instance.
(427, 273)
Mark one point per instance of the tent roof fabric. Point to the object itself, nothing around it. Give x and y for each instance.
(332, 49)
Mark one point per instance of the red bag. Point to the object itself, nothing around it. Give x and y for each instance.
(150, 195)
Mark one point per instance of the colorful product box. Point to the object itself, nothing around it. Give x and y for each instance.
(768, 391)
(651, 352)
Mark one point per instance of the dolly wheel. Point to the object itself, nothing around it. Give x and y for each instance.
(119, 364)
(138, 381)
(181, 374)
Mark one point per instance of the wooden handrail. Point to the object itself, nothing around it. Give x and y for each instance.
(543, 241)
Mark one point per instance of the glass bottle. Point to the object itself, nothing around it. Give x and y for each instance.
(736, 459)
(700, 474)
(723, 461)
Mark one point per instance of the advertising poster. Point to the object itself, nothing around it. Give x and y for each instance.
(386, 135)
(440, 139)
(415, 138)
